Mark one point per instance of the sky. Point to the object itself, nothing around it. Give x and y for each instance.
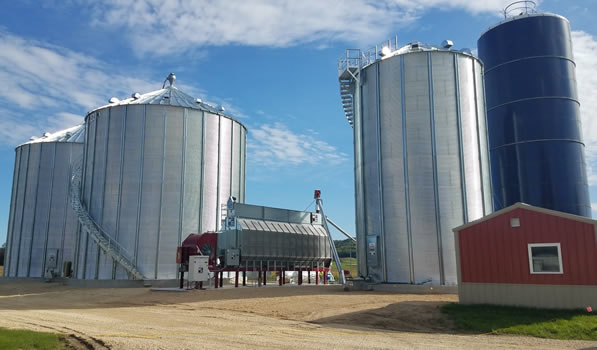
(271, 64)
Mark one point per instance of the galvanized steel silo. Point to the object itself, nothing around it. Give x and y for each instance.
(533, 113)
(421, 159)
(157, 168)
(41, 222)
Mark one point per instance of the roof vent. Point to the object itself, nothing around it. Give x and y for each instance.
(171, 78)
(467, 50)
(33, 138)
(414, 45)
(386, 50)
(114, 100)
(136, 95)
(47, 134)
(446, 44)
(221, 108)
(198, 100)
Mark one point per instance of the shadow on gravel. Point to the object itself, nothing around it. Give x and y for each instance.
(407, 316)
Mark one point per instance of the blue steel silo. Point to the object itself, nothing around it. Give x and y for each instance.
(536, 148)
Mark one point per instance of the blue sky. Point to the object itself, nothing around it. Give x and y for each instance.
(272, 64)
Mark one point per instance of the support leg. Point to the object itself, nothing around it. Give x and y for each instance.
(216, 280)
(309, 276)
(280, 277)
(236, 278)
(265, 277)
(221, 279)
(245, 277)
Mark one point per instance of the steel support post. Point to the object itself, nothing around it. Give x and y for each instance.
(236, 278)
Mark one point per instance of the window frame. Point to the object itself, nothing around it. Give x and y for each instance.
(530, 252)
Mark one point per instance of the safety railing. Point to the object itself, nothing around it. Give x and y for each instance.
(519, 8)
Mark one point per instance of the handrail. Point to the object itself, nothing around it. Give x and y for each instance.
(521, 7)
(114, 245)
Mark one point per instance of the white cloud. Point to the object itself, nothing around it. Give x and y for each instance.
(165, 26)
(585, 55)
(48, 88)
(274, 145)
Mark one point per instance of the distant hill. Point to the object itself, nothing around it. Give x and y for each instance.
(346, 248)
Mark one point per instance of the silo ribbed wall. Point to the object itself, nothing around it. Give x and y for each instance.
(41, 217)
(422, 164)
(535, 136)
(154, 174)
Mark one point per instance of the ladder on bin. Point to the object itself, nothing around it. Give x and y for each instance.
(110, 246)
(349, 69)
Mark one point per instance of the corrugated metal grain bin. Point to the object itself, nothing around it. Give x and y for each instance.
(41, 221)
(421, 159)
(157, 167)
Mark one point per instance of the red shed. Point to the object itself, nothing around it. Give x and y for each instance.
(528, 256)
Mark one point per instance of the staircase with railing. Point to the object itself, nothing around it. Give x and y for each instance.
(88, 226)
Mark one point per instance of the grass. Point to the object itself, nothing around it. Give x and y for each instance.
(25, 340)
(347, 264)
(554, 324)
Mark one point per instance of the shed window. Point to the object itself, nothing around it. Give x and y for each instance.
(545, 258)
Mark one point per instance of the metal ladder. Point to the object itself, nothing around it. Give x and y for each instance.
(110, 246)
(349, 68)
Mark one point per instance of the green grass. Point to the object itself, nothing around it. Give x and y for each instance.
(347, 264)
(21, 339)
(554, 324)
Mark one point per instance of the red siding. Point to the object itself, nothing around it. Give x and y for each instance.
(493, 252)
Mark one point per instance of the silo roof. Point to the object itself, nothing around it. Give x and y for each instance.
(170, 96)
(73, 134)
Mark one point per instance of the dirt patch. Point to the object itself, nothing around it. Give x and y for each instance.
(305, 317)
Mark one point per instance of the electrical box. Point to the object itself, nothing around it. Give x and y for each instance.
(198, 268)
(316, 218)
(232, 257)
(52, 259)
(372, 256)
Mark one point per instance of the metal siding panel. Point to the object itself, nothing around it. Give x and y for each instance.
(43, 204)
(89, 165)
(397, 252)
(370, 159)
(448, 158)
(420, 167)
(10, 236)
(98, 159)
(210, 183)
(151, 190)
(483, 142)
(235, 166)
(20, 203)
(243, 163)
(170, 216)
(109, 215)
(71, 223)
(29, 209)
(472, 168)
(131, 177)
(225, 160)
(192, 176)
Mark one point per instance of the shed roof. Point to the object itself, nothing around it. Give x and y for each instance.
(520, 205)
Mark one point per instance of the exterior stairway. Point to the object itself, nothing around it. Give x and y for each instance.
(347, 95)
(110, 247)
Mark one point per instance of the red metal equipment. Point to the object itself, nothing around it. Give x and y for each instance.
(197, 244)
